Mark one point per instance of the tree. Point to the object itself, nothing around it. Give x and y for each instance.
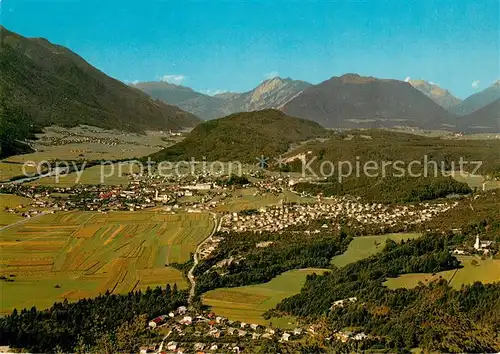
(15, 128)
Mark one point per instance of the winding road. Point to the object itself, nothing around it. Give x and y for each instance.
(217, 226)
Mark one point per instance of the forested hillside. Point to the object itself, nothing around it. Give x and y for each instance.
(55, 86)
(242, 137)
(105, 324)
(433, 318)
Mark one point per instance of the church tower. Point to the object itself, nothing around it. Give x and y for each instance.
(477, 245)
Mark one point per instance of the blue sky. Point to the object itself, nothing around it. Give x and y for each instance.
(233, 45)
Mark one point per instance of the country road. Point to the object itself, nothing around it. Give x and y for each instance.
(25, 220)
(217, 225)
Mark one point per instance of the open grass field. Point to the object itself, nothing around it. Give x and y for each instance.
(11, 201)
(248, 303)
(106, 174)
(89, 151)
(81, 254)
(11, 170)
(485, 271)
(477, 181)
(365, 246)
(243, 199)
(91, 143)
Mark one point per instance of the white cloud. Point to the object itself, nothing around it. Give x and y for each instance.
(271, 74)
(214, 92)
(407, 79)
(475, 84)
(432, 83)
(129, 82)
(173, 79)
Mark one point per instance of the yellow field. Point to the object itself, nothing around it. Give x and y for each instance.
(10, 170)
(243, 199)
(485, 271)
(82, 254)
(116, 174)
(248, 303)
(11, 201)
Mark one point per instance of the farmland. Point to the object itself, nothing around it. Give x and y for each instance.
(106, 174)
(11, 201)
(11, 170)
(474, 269)
(248, 303)
(477, 181)
(92, 143)
(81, 254)
(365, 246)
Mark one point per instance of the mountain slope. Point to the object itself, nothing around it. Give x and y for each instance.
(204, 106)
(57, 87)
(442, 97)
(353, 101)
(478, 100)
(483, 120)
(272, 93)
(242, 137)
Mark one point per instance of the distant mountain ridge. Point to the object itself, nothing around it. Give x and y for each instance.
(441, 96)
(354, 101)
(272, 93)
(483, 120)
(478, 100)
(55, 86)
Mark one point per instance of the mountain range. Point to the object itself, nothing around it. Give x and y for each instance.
(478, 100)
(353, 101)
(349, 101)
(272, 93)
(483, 120)
(441, 96)
(55, 86)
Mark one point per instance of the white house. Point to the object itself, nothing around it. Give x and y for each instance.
(172, 346)
(285, 337)
(181, 310)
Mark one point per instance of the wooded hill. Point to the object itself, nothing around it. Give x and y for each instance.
(242, 137)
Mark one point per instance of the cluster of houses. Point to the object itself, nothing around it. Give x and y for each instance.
(276, 218)
(483, 247)
(188, 332)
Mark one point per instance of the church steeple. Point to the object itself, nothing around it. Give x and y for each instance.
(477, 245)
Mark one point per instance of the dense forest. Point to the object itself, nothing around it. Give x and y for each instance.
(251, 258)
(15, 129)
(387, 189)
(433, 317)
(242, 137)
(106, 324)
(361, 146)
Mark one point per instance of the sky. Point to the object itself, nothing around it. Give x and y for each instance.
(233, 45)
